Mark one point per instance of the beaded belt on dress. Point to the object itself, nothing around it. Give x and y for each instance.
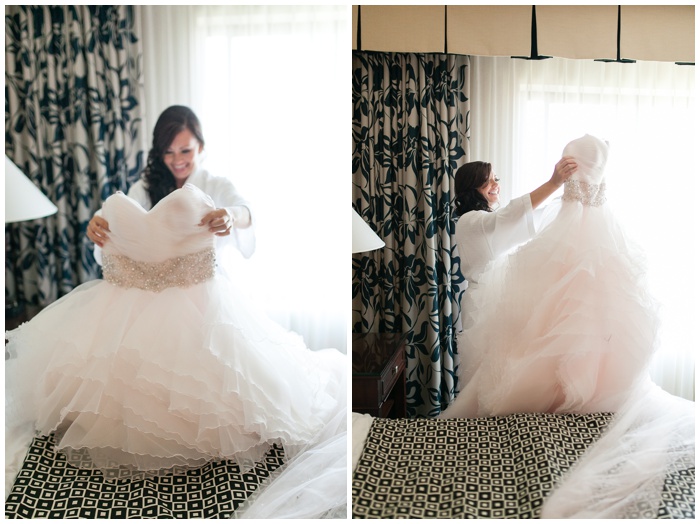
(587, 194)
(183, 271)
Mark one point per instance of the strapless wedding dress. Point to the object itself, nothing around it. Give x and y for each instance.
(565, 322)
(164, 362)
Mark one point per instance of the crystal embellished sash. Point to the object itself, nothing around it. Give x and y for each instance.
(184, 271)
(587, 194)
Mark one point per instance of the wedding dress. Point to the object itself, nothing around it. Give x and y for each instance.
(165, 362)
(565, 324)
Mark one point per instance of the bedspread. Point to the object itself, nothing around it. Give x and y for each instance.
(48, 487)
(496, 467)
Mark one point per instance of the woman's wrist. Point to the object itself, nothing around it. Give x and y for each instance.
(240, 215)
(555, 183)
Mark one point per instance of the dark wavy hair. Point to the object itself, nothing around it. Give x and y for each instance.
(468, 180)
(159, 181)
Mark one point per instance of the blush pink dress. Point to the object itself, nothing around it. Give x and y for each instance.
(564, 323)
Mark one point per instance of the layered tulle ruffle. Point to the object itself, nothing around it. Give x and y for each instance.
(135, 380)
(563, 324)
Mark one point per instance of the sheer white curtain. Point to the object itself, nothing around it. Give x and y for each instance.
(524, 113)
(270, 85)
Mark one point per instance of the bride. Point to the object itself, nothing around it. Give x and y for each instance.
(165, 363)
(565, 324)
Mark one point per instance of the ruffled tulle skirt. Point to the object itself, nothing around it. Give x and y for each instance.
(131, 380)
(562, 324)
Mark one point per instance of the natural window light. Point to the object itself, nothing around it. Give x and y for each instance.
(273, 100)
(648, 179)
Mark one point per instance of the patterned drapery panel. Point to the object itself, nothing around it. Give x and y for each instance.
(410, 134)
(73, 125)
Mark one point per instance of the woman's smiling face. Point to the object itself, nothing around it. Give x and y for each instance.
(491, 190)
(182, 157)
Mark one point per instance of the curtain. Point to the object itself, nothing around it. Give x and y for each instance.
(524, 113)
(410, 133)
(267, 83)
(73, 125)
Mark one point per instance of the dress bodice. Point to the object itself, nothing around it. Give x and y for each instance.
(587, 185)
(161, 248)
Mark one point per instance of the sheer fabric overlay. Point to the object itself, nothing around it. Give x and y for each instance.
(650, 441)
(136, 380)
(312, 485)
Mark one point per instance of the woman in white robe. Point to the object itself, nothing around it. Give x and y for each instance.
(484, 231)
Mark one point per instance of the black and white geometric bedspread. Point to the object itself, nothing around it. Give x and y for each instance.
(48, 487)
(497, 467)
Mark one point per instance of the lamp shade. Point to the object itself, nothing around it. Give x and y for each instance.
(23, 200)
(363, 238)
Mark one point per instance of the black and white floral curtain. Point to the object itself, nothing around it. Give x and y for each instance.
(410, 134)
(73, 125)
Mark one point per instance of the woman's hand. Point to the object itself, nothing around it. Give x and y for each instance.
(563, 170)
(218, 221)
(97, 230)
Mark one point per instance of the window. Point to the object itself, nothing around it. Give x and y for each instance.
(271, 86)
(531, 110)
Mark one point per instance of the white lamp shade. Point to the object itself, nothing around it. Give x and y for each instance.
(363, 238)
(23, 200)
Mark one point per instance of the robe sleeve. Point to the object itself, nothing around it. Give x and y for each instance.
(482, 236)
(224, 194)
(510, 226)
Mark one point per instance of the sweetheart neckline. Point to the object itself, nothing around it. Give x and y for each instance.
(139, 207)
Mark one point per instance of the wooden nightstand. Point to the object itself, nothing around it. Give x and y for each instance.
(379, 374)
(16, 315)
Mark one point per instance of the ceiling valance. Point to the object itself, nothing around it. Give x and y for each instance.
(608, 32)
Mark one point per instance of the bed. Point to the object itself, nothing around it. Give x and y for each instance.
(311, 483)
(495, 467)
(46, 486)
